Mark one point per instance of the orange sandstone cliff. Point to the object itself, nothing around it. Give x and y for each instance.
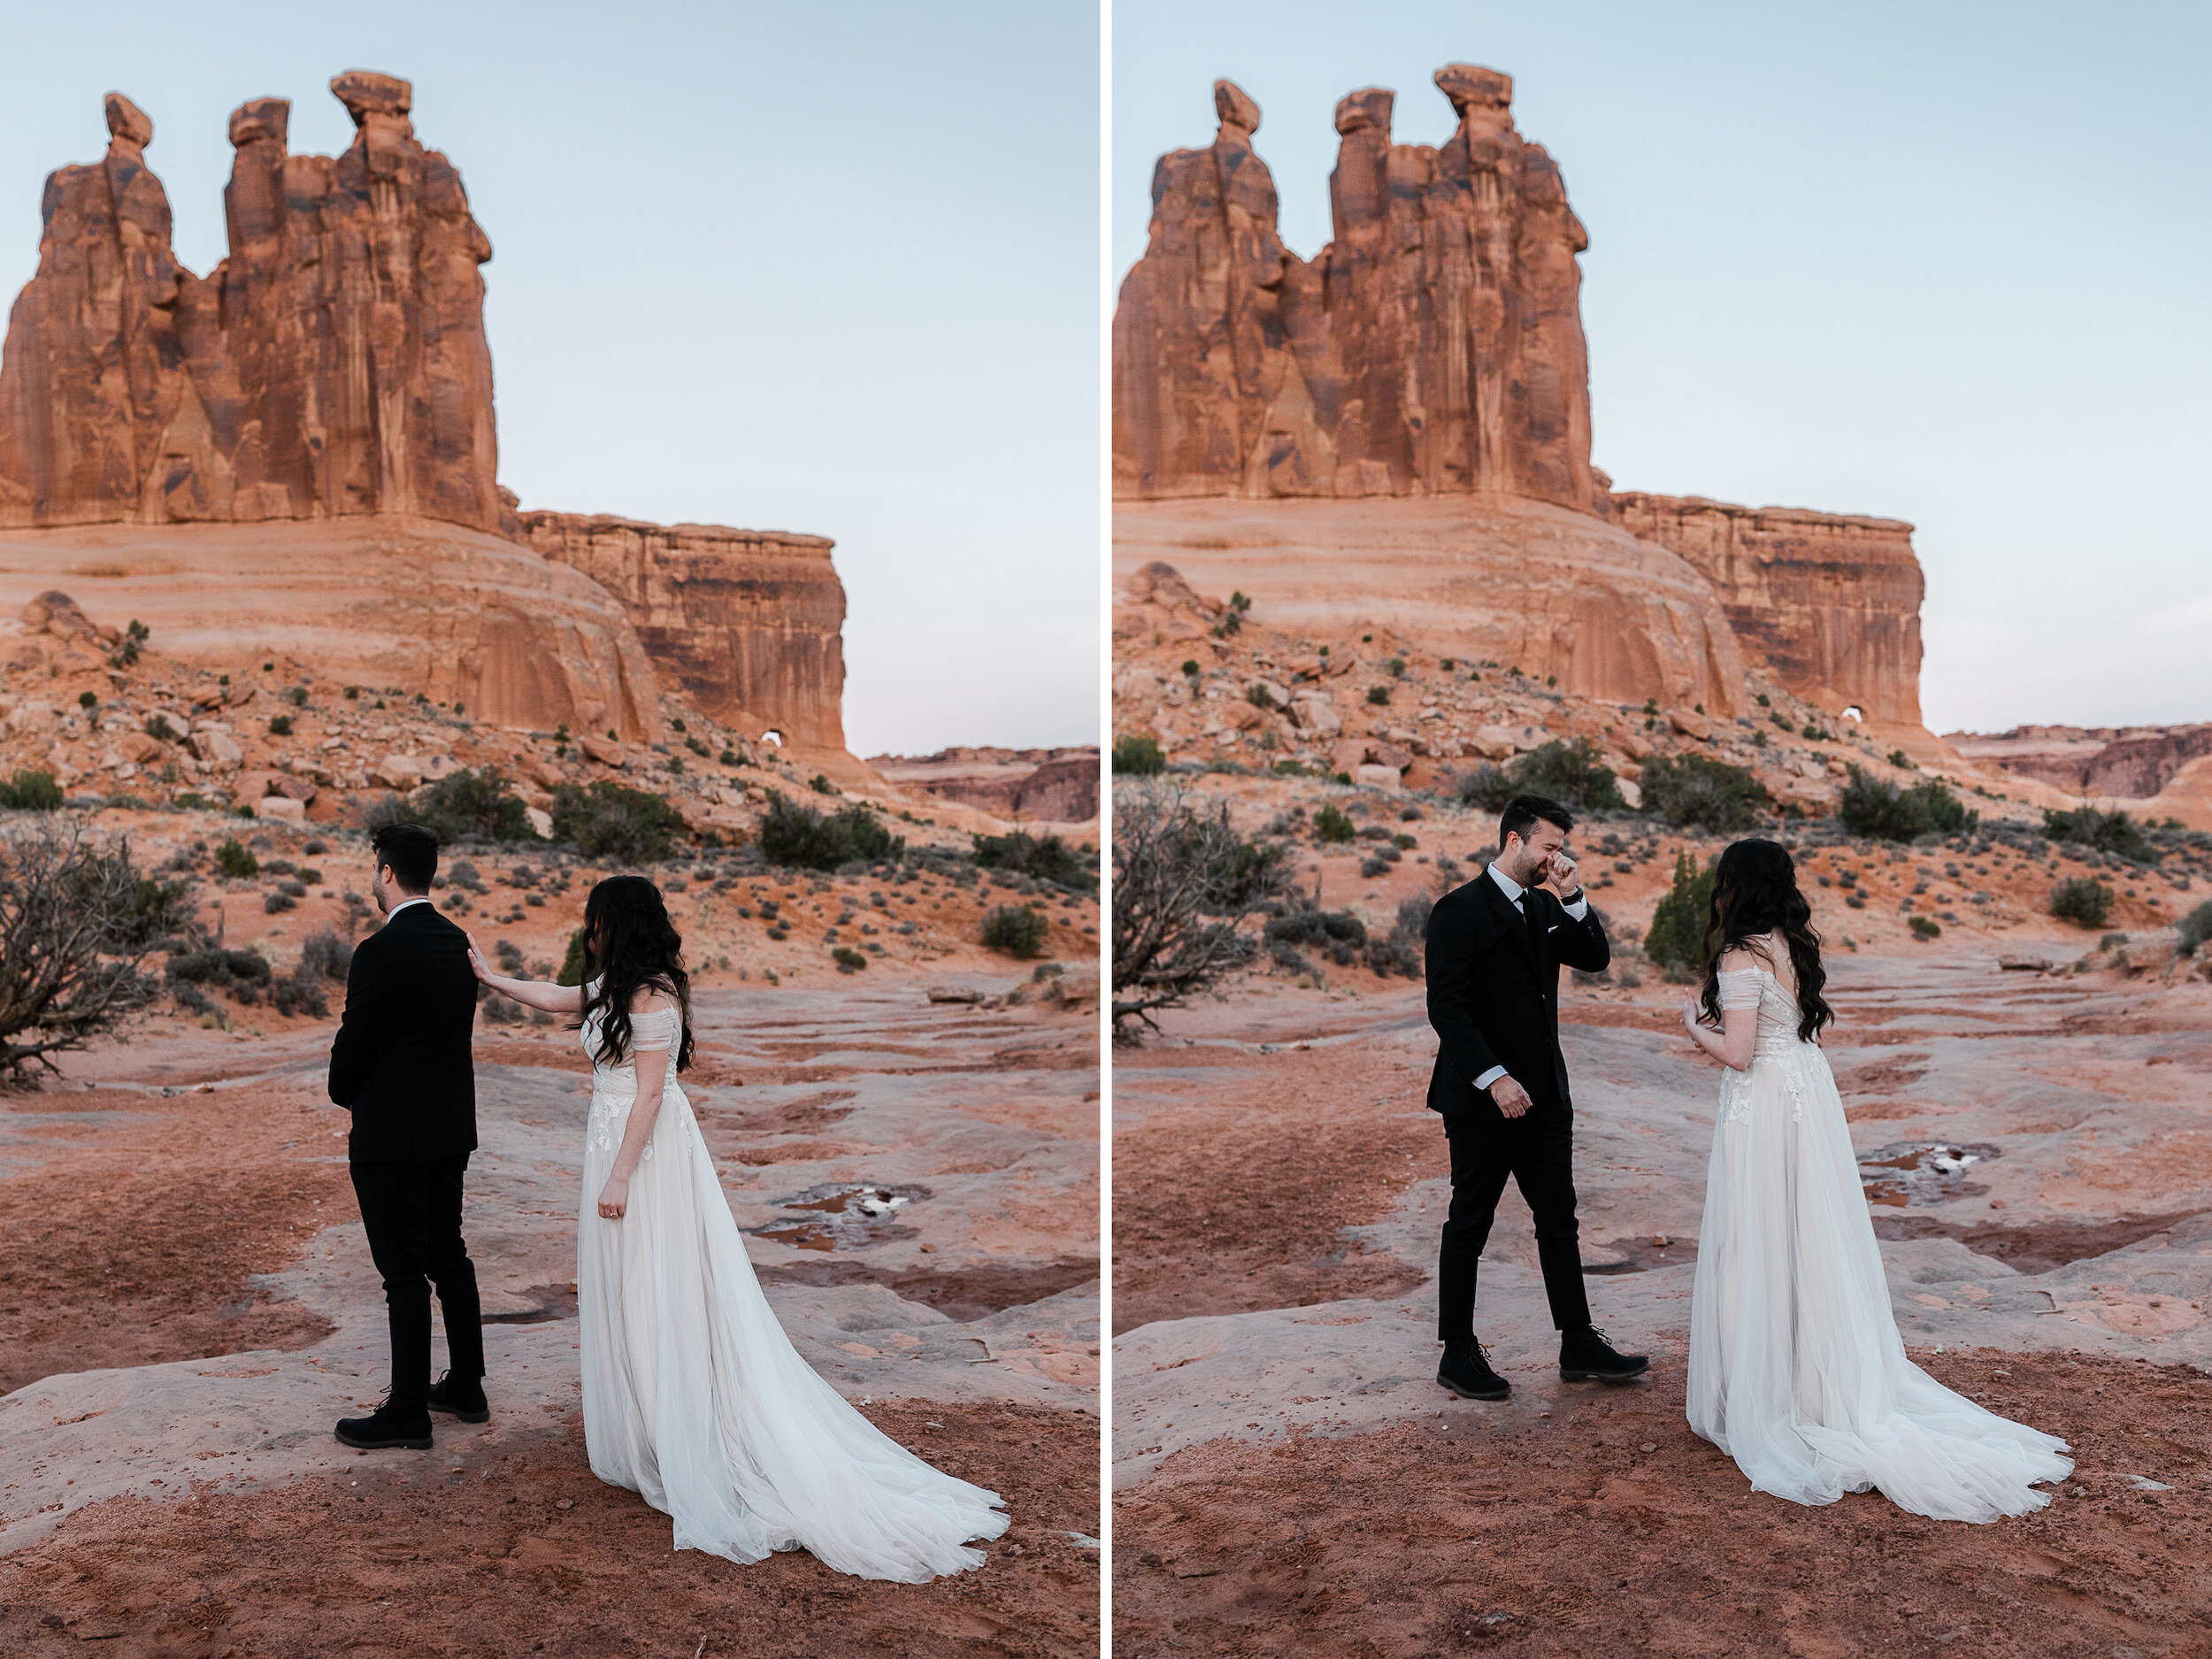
(297, 454)
(1397, 432)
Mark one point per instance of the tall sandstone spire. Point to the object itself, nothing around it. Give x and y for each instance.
(335, 363)
(1434, 347)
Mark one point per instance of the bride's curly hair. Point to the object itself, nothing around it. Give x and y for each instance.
(630, 945)
(1755, 893)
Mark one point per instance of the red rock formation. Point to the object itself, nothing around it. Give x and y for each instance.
(746, 622)
(1052, 786)
(1434, 347)
(333, 364)
(2125, 763)
(1832, 603)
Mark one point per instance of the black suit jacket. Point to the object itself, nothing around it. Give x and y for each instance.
(1494, 993)
(402, 1059)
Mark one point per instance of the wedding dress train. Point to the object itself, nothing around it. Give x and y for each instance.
(1796, 1368)
(696, 1399)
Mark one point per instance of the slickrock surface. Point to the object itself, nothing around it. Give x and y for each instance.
(1831, 603)
(165, 1491)
(335, 363)
(1049, 786)
(1289, 1475)
(747, 625)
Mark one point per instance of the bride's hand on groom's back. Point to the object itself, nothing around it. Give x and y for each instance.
(477, 964)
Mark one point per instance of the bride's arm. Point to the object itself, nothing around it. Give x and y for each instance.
(554, 999)
(1731, 1045)
(645, 1110)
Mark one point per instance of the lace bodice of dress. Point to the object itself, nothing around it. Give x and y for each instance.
(614, 1087)
(1756, 988)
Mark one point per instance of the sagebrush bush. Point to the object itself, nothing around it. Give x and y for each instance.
(1331, 825)
(1696, 789)
(1139, 757)
(848, 959)
(1018, 930)
(1878, 809)
(799, 836)
(235, 860)
(472, 801)
(1045, 858)
(322, 952)
(2082, 901)
(606, 820)
(2195, 928)
(30, 791)
(1487, 787)
(2107, 832)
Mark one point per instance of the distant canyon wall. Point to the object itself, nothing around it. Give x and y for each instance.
(2123, 762)
(1831, 602)
(1434, 349)
(748, 624)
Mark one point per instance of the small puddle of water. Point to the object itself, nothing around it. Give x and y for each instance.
(844, 1215)
(1907, 1172)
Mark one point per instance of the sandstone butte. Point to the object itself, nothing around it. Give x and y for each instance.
(296, 454)
(1397, 432)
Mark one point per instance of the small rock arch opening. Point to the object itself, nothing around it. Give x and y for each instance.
(1854, 713)
(771, 735)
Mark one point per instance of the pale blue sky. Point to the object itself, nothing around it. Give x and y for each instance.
(1942, 262)
(830, 268)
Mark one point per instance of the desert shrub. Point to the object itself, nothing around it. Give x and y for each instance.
(2195, 928)
(1339, 935)
(1046, 858)
(1331, 825)
(1139, 757)
(1487, 787)
(2113, 832)
(235, 860)
(300, 992)
(1876, 808)
(1568, 772)
(474, 803)
(606, 820)
(1926, 927)
(801, 837)
(212, 964)
(1184, 878)
(1677, 937)
(1902, 760)
(30, 791)
(1018, 930)
(851, 961)
(1697, 790)
(157, 726)
(1378, 696)
(1394, 953)
(322, 952)
(2082, 901)
(1259, 697)
(278, 902)
(571, 968)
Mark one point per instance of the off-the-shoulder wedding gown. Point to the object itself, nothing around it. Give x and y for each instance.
(695, 1398)
(1796, 1368)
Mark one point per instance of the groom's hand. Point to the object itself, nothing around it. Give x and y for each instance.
(1512, 1099)
(1560, 878)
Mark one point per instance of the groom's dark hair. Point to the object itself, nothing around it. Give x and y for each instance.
(410, 851)
(1524, 810)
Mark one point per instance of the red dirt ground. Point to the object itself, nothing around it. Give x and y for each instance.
(136, 1244)
(530, 1554)
(1609, 1527)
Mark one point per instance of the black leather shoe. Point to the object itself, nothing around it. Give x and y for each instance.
(462, 1397)
(1465, 1371)
(385, 1429)
(1585, 1355)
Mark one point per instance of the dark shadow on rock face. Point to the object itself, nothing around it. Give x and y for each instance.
(962, 1293)
(2036, 1247)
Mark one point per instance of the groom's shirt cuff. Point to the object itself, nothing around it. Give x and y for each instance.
(1490, 1077)
(1580, 908)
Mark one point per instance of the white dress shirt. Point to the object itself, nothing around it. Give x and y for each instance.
(1513, 890)
(419, 898)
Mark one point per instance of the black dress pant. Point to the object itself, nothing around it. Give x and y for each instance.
(412, 1212)
(1536, 1149)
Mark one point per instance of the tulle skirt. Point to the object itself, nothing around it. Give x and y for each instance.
(696, 1399)
(1796, 1368)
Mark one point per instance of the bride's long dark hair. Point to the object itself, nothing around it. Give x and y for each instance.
(630, 945)
(1756, 893)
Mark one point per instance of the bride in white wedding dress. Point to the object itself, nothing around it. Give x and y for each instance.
(1796, 1368)
(694, 1397)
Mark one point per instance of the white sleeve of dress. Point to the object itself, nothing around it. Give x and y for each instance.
(655, 1030)
(1738, 989)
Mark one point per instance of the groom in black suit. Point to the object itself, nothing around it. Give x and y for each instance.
(401, 1062)
(1494, 949)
